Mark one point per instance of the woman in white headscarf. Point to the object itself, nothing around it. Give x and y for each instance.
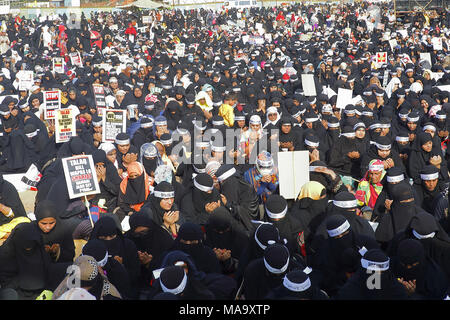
(272, 118)
(393, 85)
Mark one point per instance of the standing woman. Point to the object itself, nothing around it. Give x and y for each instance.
(57, 241)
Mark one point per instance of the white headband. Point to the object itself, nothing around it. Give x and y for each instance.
(122, 142)
(202, 187)
(345, 204)
(164, 195)
(413, 119)
(420, 236)
(383, 146)
(103, 262)
(312, 144)
(334, 125)
(431, 176)
(311, 119)
(376, 167)
(441, 116)
(277, 215)
(429, 127)
(339, 230)
(257, 240)
(218, 123)
(375, 266)
(394, 179)
(202, 144)
(160, 123)
(296, 287)
(178, 289)
(375, 126)
(147, 125)
(226, 174)
(32, 134)
(349, 134)
(274, 270)
(219, 149)
(402, 139)
(182, 131)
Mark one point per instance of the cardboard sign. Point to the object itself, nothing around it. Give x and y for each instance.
(114, 122)
(26, 79)
(293, 172)
(344, 97)
(81, 176)
(309, 87)
(58, 64)
(75, 59)
(268, 37)
(65, 127)
(52, 102)
(100, 99)
(180, 49)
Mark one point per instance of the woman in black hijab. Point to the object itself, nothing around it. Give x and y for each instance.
(226, 239)
(426, 229)
(162, 209)
(422, 155)
(56, 238)
(11, 205)
(26, 266)
(403, 209)
(200, 199)
(151, 241)
(294, 230)
(422, 277)
(113, 269)
(190, 240)
(119, 248)
(335, 258)
(109, 181)
(386, 288)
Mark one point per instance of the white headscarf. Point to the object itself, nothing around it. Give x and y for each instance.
(391, 85)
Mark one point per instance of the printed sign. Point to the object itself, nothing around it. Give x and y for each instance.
(65, 127)
(100, 98)
(75, 58)
(344, 97)
(52, 102)
(58, 64)
(180, 49)
(26, 79)
(114, 122)
(381, 58)
(81, 177)
(309, 87)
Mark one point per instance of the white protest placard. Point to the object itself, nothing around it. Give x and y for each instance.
(268, 37)
(75, 59)
(258, 26)
(425, 56)
(393, 43)
(58, 64)
(114, 122)
(100, 99)
(444, 88)
(381, 58)
(180, 49)
(245, 39)
(293, 172)
(65, 126)
(52, 102)
(404, 33)
(328, 91)
(80, 175)
(437, 43)
(309, 87)
(26, 79)
(344, 97)
(146, 19)
(437, 75)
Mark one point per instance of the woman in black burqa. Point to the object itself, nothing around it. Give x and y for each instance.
(119, 248)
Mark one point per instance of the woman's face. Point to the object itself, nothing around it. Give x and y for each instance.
(112, 155)
(360, 133)
(431, 132)
(47, 224)
(123, 148)
(374, 176)
(166, 203)
(255, 127)
(412, 125)
(427, 146)
(424, 104)
(384, 153)
(272, 116)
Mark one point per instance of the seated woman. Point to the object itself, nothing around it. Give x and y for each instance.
(57, 241)
(134, 190)
(10, 204)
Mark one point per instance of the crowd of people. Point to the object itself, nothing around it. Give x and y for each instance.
(184, 216)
